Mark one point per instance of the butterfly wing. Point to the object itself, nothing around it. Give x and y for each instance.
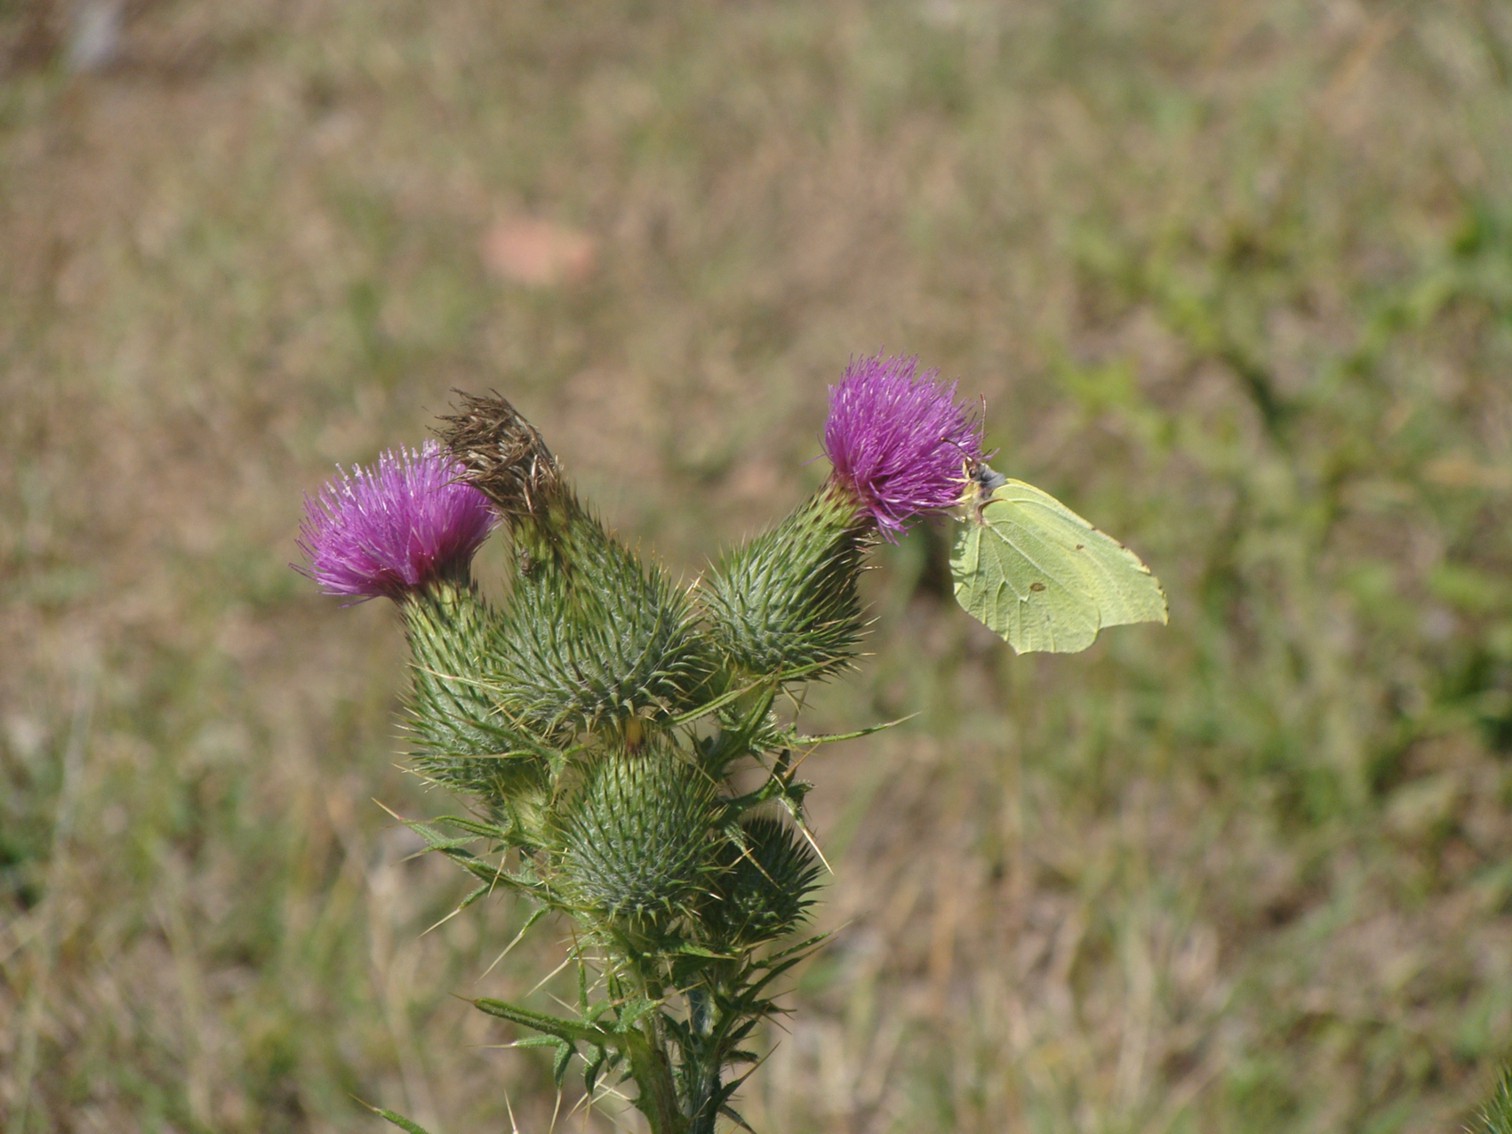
(1044, 578)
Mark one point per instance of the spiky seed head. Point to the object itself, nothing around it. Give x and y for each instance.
(507, 459)
(638, 837)
(899, 441)
(395, 528)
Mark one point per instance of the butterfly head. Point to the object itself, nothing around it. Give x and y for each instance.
(979, 481)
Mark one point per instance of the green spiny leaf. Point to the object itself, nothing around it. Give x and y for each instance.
(569, 1031)
(396, 1119)
(561, 1063)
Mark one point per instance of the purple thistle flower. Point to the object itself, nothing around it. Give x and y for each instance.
(898, 440)
(393, 528)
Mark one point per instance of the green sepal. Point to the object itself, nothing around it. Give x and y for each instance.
(786, 602)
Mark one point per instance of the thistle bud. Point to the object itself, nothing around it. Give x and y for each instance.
(627, 649)
(786, 602)
(637, 839)
(766, 885)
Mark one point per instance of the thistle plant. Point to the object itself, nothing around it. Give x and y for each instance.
(615, 735)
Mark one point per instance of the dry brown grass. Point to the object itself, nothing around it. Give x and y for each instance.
(1247, 874)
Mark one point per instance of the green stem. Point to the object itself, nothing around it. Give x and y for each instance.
(650, 1055)
(681, 1095)
(651, 1068)
(701, 1065)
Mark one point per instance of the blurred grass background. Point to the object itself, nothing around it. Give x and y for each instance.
(1235, 281)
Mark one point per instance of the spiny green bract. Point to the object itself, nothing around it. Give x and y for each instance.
(638, 837)
(786, 602)
(597, 639)
(765, 886)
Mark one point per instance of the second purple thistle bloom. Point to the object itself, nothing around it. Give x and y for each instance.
(394, 528)
(898, 440)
